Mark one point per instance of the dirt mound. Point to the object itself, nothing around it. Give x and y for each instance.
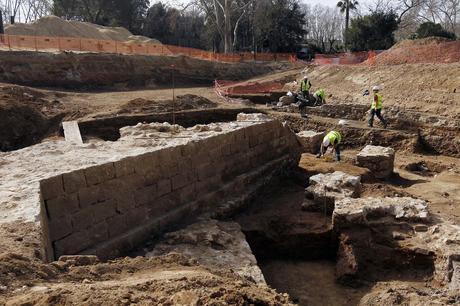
(427, 50)
(25, 117)
(56, 27)
(185, 102)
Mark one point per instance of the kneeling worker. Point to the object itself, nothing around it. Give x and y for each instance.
(332, 139)
(320, 96)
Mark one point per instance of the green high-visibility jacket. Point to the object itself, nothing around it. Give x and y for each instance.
(377, 101)
(333, 136)
(321, 94)
(305, 85)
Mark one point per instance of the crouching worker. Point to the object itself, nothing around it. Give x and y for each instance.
(320, 97)
(332, 139)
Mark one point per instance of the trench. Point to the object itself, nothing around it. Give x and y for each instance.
(108, 129)
(298, 251)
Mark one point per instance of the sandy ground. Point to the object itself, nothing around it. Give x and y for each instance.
(173, 280)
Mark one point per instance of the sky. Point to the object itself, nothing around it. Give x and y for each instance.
(331, 3)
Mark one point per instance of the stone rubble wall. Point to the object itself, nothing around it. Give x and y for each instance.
(108, 209)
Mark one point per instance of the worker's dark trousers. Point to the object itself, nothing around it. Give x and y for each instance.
(337, 152)
(378, 113)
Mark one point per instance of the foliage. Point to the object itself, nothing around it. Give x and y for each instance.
(428, 29)
(279, 25)
(125, 13)
(372, 32)
(173, 27)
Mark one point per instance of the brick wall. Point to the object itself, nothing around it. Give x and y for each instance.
(111, 208)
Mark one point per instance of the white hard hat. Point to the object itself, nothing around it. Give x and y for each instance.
(305, 77)
(326, 142)
(376, 88)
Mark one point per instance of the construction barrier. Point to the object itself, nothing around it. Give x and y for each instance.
(225, 88)
(346, 58)
(43, 43)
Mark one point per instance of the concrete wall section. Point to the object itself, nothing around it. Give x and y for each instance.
(110, 208)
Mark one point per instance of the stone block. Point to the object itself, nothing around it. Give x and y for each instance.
(146, 163)
(59, 228)
(349, 212)
(286, 100)
(82, 219)
(98, 174)
(125, 202)
(91, 195)
(80, 260)
(380, 160)
(62, 205)
(117, 225)
(187, 194)
(125, 167)
(98, 233)
(137, 216)
(104, 210)
(74, 181)
(164, 187)
(145, 195)
(310, 141)
(72, 244)
(326, 189)
(180, 180)
(51, 187)
(254, 117)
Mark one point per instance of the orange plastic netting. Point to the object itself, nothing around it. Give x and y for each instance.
(42, 43)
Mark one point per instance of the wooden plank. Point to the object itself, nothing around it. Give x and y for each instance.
(72, 132)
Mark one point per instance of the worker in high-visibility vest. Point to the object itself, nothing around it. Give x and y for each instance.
(320, 96)
(305, 86)
(376, 107)
(332, 139)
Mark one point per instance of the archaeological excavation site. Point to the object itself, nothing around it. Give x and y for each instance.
(174, 179)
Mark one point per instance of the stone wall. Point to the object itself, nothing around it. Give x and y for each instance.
(110, 208)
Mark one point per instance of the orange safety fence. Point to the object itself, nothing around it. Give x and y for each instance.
(347, 58)
(43, 43)
(225, 88)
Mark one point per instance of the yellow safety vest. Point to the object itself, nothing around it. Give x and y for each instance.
(305, 85)
(320, 93)
(377, 104)
(332, 137)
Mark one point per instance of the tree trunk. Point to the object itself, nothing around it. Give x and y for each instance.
(347, 20)
(227, 28)
(1, 23)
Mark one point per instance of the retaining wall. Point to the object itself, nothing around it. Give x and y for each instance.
(111, 208)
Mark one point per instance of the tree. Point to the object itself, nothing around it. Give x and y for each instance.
(126, 13)
(372, 32)
(279, 25)
(345, 7)
(324, 27)
(429, 28)
(225, 16)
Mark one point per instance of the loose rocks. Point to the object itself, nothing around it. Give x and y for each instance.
(380, 160)
(310, 140)
(325, 189)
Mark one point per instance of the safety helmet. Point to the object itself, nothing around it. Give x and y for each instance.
(376, 88)
(305, 77)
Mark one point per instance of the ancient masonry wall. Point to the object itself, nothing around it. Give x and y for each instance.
(110, 208)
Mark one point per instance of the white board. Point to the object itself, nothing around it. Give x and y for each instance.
(72, 132)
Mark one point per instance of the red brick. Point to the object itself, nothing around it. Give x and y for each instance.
(62, 205)
(51, 187)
